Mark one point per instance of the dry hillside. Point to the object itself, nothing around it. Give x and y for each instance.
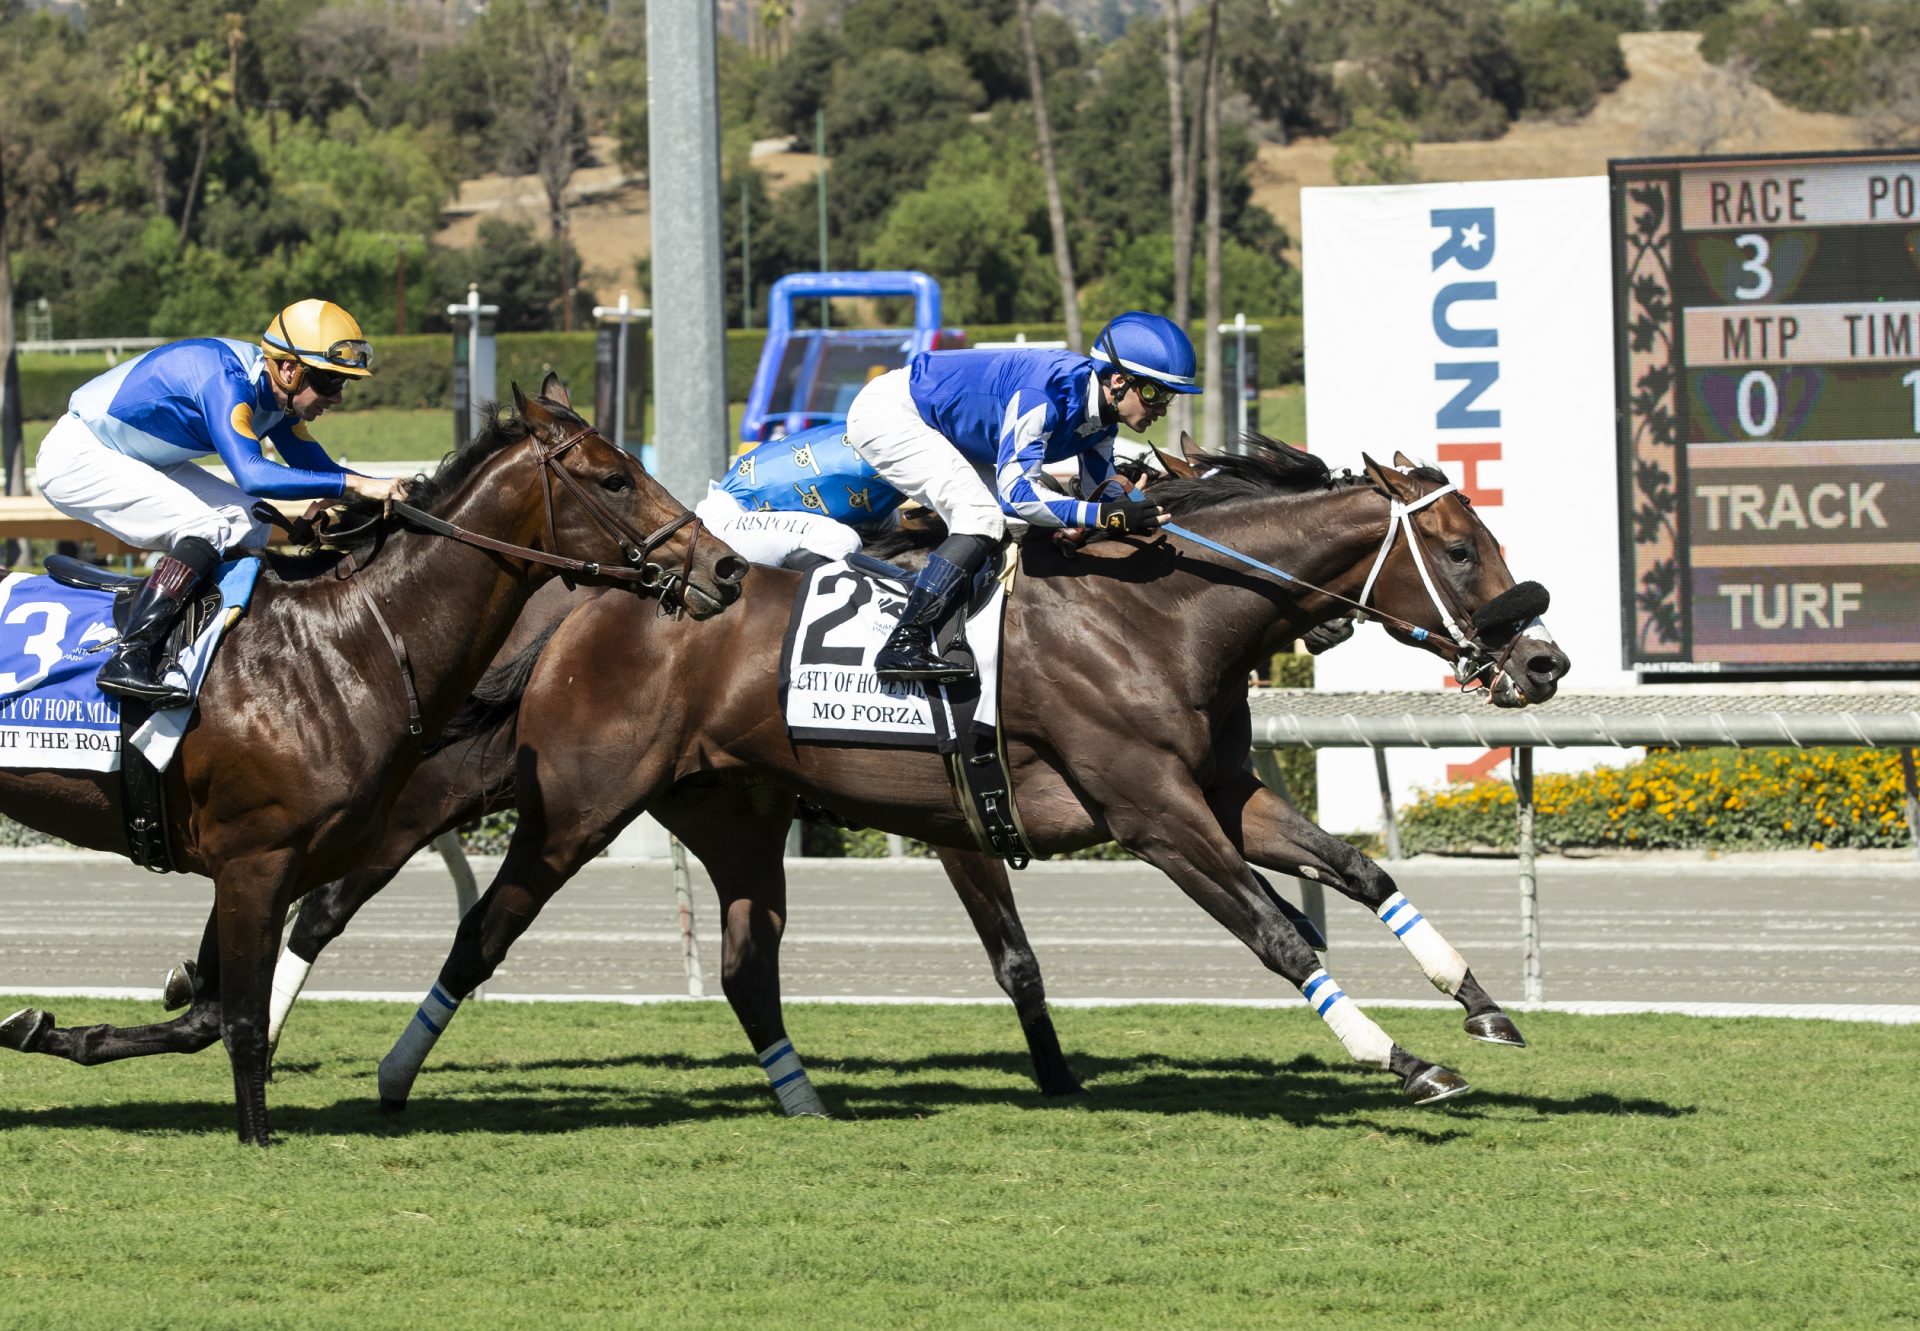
(1671, 102)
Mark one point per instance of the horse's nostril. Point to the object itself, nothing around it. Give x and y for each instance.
(730, 569)
(1543, 666)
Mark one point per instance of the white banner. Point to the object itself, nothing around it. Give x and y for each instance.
(1469, 325)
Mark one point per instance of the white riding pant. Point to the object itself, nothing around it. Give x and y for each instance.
(771, 536)
(148, 507)
(885, 428)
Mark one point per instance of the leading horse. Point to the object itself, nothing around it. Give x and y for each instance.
(1124, 716)
(313, 713)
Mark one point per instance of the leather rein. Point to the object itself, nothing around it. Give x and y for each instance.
(668, 584)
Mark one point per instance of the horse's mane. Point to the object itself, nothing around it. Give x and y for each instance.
(1268, 467)
(358, 525)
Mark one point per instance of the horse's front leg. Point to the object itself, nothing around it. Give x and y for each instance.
(981, 882)
(1164, 818)
(1272, 833)
(739, 835)
(250, 902)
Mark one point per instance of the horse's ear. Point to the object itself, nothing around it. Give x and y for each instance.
(519, 402)
(1402, 461)
(554, 391)
(1385, 479)
(1175, 466)
(1188, 449)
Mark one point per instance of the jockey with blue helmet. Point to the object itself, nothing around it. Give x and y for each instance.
(126, 458)
(967, 433)
(798, 501)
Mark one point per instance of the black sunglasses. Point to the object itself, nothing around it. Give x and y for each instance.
(325, 382)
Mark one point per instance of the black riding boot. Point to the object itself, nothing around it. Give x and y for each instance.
(137, 668)
(908, 653)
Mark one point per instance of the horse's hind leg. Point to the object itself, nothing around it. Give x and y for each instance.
(1177, 833)
(981, 882)
(1275, 835)
(739, 835)
(32, 1031)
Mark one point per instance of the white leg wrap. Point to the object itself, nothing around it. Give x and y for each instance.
(1365, 1041)
(789, 1079)
(289, 978)
(1445, 967)
(402, 1063)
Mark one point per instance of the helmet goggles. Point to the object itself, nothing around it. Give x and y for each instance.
(350, 353)
(1152, 392)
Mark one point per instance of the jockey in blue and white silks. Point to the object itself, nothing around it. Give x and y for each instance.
(797, 501)
(126, 456)
(967, 433)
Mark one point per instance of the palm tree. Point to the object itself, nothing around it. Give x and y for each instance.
(205, 92)
(1056, 215)
(1213, 414)
(149, 110)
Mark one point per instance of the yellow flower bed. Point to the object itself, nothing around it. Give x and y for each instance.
(1733, 798)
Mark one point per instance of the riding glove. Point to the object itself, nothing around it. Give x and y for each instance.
(1128, 515)
(1330, 634)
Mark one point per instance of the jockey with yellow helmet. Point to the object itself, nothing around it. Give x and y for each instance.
(126, 456)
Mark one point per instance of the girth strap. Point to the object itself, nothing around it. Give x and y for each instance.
(395, 643)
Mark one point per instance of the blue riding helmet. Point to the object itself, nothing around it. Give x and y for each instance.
(1151, 346)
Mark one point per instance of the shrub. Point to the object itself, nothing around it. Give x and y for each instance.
(1729, 799)
(1567, 59)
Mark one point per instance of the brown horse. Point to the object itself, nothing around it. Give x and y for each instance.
(302, 738)
(1124, 715)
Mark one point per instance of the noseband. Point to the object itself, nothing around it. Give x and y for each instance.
(1472, 658)
(668, 584)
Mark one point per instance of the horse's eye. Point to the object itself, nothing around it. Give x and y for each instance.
(614, 482)
(1460, 554)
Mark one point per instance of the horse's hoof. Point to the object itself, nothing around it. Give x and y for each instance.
(392, 1106)
(1435, 1084)
(177, 992)
(1495, 1028)
(25, 1029)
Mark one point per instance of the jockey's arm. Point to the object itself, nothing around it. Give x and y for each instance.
(1018, 470)
(1098, 478)
(310, 473)
(304, 453)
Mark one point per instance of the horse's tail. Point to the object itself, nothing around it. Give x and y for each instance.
(495, 701)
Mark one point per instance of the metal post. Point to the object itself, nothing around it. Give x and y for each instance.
(683, 897)
(746, 258)
(1529, 888)
(465, 890)
(689, 277)
(820, 160)
(1386, 804)
(1239, 328)
(1913, 799)
(896, 846)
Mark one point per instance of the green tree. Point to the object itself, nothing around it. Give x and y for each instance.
(1567, 58)
(973, 227)
(1376, 149)
(150, 111)
(205, 93)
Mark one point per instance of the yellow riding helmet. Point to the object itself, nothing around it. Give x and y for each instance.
(320, 334)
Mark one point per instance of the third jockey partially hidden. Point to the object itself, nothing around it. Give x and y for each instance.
(125, 458)
(967, 433)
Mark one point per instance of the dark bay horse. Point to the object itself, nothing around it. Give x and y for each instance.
(1124, 713)
(302, 738)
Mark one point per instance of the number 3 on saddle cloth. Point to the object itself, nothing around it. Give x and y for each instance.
(56, 632)
(830, 694)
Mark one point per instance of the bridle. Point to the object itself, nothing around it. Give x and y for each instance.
(668, 584)
(1473, 658)
(1520, 605)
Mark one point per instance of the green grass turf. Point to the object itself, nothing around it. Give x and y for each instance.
(576, 1165)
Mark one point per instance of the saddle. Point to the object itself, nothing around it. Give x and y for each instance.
(977, 766)
(143, 788)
